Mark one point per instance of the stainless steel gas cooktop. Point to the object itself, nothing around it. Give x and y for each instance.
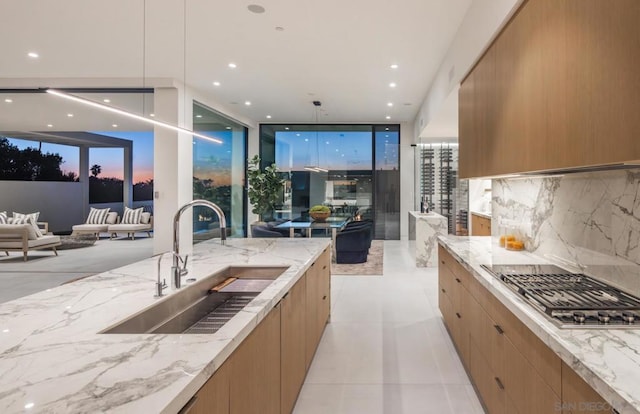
(570, 300)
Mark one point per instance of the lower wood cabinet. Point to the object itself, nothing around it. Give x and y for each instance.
(265, 373)
(480, 226)
(512, 370)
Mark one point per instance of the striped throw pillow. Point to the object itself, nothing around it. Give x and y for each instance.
(131, 216)
(97, 215)
(28, 219)
(19, 216)
(3, 217)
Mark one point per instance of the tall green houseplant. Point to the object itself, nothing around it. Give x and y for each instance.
(264, 188)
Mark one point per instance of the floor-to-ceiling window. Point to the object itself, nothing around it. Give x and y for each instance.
(351, 168)
(218, 173)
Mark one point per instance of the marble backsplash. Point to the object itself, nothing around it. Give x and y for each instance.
(572, 217)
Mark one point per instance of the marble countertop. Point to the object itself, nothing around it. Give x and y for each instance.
(431, 214)
(607, 359)
(53, 360)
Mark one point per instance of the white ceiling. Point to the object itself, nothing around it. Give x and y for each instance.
(335, 51)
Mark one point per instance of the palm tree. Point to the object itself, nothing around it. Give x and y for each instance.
(95, 170)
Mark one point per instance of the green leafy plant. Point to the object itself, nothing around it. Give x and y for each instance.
(319, 209)
(264, 188)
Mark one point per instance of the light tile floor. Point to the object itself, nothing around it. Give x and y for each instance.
(386, 349)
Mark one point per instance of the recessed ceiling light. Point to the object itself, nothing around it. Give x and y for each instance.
(228, 127)
(106, 100)
(152, 115)
(386, 136)
(287, 128)
(198, 116)
(392, 85)
(389, 103)
(70, 115)
(114, 125)
(327, 142)
(268, 116)
(394, 66)
(232, 65)
(386, 129)
(387, 117)
(306, 139)
(8, 100)
(255, 8)
(297, 135)
(50, 125)
(29, 405)
(247, 103)
(216, 83)
(33, 55)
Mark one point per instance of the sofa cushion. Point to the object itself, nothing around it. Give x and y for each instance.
(42, 241)
(145, 218)
(28, 219)
(15, 231)
(3, 217)
(112, 218)
(95, 228)
(127, 228)
(97, 215)
(131, 216)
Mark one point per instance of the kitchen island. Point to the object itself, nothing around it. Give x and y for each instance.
(607, 360)
(425, 228)
(54, 360)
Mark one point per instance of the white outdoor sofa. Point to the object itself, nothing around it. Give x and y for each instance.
(23, 237)
(96, 229)
(145, 225)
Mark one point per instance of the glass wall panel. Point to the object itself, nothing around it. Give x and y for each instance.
(218, 173)
(334, 165)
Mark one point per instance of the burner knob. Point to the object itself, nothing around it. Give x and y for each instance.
(604, 317)
(628, 317)
(579, 317)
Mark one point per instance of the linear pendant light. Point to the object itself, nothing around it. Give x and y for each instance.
(130, 114)
(316, 168)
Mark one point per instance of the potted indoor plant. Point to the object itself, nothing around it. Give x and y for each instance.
(264, 188)
(319, 212)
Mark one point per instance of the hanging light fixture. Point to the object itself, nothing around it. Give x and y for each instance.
(316, 168)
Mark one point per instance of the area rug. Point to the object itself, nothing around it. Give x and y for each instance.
(76, 242)
(372, 267)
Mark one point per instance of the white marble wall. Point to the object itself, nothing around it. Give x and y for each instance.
(569, 216)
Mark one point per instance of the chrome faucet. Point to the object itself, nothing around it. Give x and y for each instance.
(176, 270)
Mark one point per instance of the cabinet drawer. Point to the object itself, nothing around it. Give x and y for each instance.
(460, 274)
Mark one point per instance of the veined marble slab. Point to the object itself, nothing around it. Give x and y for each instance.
(607, 359)
(428, 226)
(53, 360)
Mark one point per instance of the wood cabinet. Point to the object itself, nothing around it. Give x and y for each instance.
(293, 344)
(266, 371)
(578, 396)
(554, 88)
(511, 368)
(255, 374)
(318, 302)
(480, 225)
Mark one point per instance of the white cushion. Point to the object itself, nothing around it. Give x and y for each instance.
(97, 215)
(21, 215)
(131, 216)
(112, 217)
(15, 231)
(3, 217)
(145, 218)
(42, 241)
(122, 228)
(27, 219)
(97, 228)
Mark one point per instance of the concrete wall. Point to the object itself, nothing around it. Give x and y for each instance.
(59, 203)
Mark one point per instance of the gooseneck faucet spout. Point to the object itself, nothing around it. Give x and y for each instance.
(178, 271)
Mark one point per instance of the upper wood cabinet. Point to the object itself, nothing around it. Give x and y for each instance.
(558, 88)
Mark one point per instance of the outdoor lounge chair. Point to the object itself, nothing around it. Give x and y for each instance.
(23, 237)
(112, 218)
(145, 225)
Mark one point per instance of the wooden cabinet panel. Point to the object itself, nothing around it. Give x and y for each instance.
(318, 297)
(293, 344)
(213, 397)
(480, 226)
(311, 315)
(558, 83)
(524, 386)
(578, 396)
(324, 291)
(486, 382)
(255, 373)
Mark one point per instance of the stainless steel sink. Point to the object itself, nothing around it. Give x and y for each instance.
(197, 309)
